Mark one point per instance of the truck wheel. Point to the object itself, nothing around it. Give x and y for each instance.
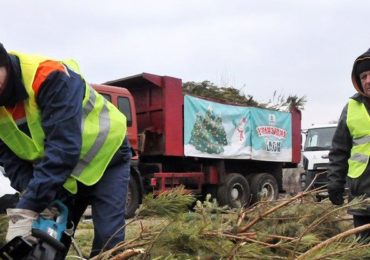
(303, 181)
(132, 201)
(235, 192)
(264, 186)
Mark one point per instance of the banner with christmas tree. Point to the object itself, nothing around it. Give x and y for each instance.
(215, 130)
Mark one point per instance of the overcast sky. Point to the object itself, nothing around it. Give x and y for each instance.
(305, 48)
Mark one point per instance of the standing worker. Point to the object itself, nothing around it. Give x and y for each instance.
(60, 139)
(350, 152)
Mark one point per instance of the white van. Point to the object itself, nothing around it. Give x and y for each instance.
(318, 139)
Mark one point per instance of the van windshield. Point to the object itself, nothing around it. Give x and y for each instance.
(319, 139)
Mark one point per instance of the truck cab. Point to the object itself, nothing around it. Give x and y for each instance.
(317, 144)
(123, 100)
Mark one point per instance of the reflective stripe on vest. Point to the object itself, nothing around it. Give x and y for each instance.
(358, 123)
(103, 128)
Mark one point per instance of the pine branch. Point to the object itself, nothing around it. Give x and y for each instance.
(129, 253)
(321, 219)
(343, 251)
(268, 212)
(314, 179)
(307, 254)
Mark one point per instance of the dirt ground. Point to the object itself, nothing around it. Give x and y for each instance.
(291, 182)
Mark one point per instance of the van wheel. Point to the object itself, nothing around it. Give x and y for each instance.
(235, 192)
(264, 187)
(132, 200)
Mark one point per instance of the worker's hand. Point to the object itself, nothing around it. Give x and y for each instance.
(20, 222)
(336, 196)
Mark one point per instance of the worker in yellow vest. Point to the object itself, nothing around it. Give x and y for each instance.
(60, 139)
(349, 157)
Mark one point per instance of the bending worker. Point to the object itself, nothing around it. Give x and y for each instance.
(60, 139)
(350, 152)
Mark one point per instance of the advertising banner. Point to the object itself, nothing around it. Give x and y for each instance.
(215, 130)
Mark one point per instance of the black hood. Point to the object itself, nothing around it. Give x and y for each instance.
(355, 78)
(4, 57)
(14, 90)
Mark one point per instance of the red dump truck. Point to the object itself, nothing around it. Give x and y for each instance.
(235, 153)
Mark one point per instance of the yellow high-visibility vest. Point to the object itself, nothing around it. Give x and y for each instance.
(103, 127)
(358, 123)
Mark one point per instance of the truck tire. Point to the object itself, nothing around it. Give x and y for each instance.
(235, 192)
(132, 201)
(264, 187)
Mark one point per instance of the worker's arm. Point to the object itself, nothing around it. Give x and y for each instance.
(17, 170)
(339, 154)
(59, 98)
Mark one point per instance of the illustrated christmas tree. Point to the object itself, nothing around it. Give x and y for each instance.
(208, 134)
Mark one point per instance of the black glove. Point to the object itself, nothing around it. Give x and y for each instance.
(336, 196)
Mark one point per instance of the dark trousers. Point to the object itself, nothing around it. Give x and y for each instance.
(108, 200)
(360, 220)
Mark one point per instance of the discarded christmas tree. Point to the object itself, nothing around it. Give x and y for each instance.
(294, 228)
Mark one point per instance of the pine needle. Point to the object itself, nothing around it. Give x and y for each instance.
(169, 203)
(295, 228)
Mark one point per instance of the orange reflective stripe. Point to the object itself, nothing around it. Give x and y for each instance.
(43, 71)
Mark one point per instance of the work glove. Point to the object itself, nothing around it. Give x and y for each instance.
(20, 223)
(336, 196)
